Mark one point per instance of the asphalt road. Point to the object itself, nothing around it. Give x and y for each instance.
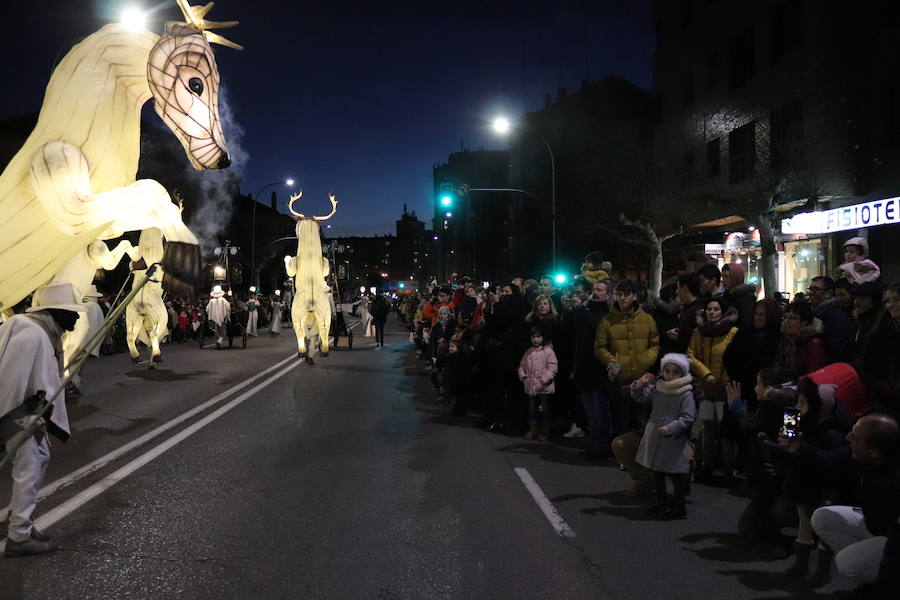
(346, 479)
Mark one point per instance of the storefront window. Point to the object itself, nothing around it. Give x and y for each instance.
(805, 260)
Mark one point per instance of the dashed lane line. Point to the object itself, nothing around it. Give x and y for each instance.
(558, 523)
(104, 460)
(58, 513)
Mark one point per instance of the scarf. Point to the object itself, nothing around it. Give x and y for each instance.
(676, 387)
(722, 327)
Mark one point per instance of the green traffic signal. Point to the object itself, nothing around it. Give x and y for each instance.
(560, 278)
(446, 200)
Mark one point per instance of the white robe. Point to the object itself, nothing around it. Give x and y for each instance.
(277, 307)
(28, 364)
(218, 310)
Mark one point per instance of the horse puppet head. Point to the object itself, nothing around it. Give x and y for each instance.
(184, 82)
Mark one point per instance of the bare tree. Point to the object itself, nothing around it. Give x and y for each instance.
(641, 207)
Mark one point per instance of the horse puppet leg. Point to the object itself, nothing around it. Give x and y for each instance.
(133, 324)
(323, 320)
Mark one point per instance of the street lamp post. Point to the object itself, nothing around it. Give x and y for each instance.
(502, 126)
(287, 182)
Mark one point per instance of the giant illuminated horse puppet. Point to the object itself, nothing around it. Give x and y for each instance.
(311, 309)
(73, 182)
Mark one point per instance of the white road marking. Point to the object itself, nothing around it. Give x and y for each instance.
(51, 517)
(561, 527)
(101, 462)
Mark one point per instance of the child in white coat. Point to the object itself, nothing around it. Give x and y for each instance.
(664, 447)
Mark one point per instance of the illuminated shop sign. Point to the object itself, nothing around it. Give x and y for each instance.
(857, 216)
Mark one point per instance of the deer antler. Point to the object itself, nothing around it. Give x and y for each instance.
(333, 208)
(193, 16)
(295, 197)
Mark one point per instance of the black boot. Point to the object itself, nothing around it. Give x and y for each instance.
(821, 573)
(800, 568)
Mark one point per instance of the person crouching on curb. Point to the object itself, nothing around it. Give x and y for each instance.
(537, 371)
(664, 447)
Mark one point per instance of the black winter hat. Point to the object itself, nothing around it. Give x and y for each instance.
(594, 258)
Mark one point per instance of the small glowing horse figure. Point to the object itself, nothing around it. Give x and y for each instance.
(73, 181)
(80, 272)
(146, 317)
(311, 308)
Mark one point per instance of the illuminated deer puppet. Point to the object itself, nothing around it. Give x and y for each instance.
(73, 181)
(311, 308)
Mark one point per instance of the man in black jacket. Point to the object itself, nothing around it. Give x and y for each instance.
(835, 321)
(380, 310)
(590, 377)
(868, 468)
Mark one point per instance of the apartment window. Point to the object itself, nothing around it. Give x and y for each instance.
(714, 157)
(892, 113)
(787, 29)
(687, 161)
(786, 139)
(688, 88)
(713, 68)
(742, 58)
(742, 152)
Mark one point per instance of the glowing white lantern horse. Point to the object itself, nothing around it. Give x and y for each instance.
(73, 181)
(311, 308)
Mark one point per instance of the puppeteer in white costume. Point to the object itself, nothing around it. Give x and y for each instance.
(73, 181)
(31, 364)
(311, 308)
(218, 311)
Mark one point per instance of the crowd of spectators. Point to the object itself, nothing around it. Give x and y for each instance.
(792, 404)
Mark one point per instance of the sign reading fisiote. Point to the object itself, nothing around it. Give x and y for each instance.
(856, 216)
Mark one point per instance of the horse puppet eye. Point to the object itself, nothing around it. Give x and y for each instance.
(196, 85)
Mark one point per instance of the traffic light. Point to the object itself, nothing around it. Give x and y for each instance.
(446, 197)
(560, 278)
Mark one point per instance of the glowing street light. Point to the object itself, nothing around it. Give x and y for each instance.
(133, 18)
(288, 182)
(362, 289)
(501, 125)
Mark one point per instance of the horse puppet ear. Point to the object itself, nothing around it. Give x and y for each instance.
(183, 269)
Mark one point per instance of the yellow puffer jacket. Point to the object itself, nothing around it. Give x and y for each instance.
(631, 339)
(705, 352)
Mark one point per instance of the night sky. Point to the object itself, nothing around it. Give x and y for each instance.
(363, 97)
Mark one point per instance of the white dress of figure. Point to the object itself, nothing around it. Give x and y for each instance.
(366, 317)
(252, 316)
(277, 307)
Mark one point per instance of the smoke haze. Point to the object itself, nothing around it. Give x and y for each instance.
(218, 187)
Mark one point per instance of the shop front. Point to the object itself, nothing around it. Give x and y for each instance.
(810, 244)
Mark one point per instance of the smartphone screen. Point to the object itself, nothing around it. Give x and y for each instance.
(791, 423)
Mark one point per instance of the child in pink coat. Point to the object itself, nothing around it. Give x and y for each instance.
(537, 371)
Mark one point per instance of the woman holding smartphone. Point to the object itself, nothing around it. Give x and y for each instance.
(823, 423)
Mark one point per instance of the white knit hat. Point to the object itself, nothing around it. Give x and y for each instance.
(679, 360)
(858, 241)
